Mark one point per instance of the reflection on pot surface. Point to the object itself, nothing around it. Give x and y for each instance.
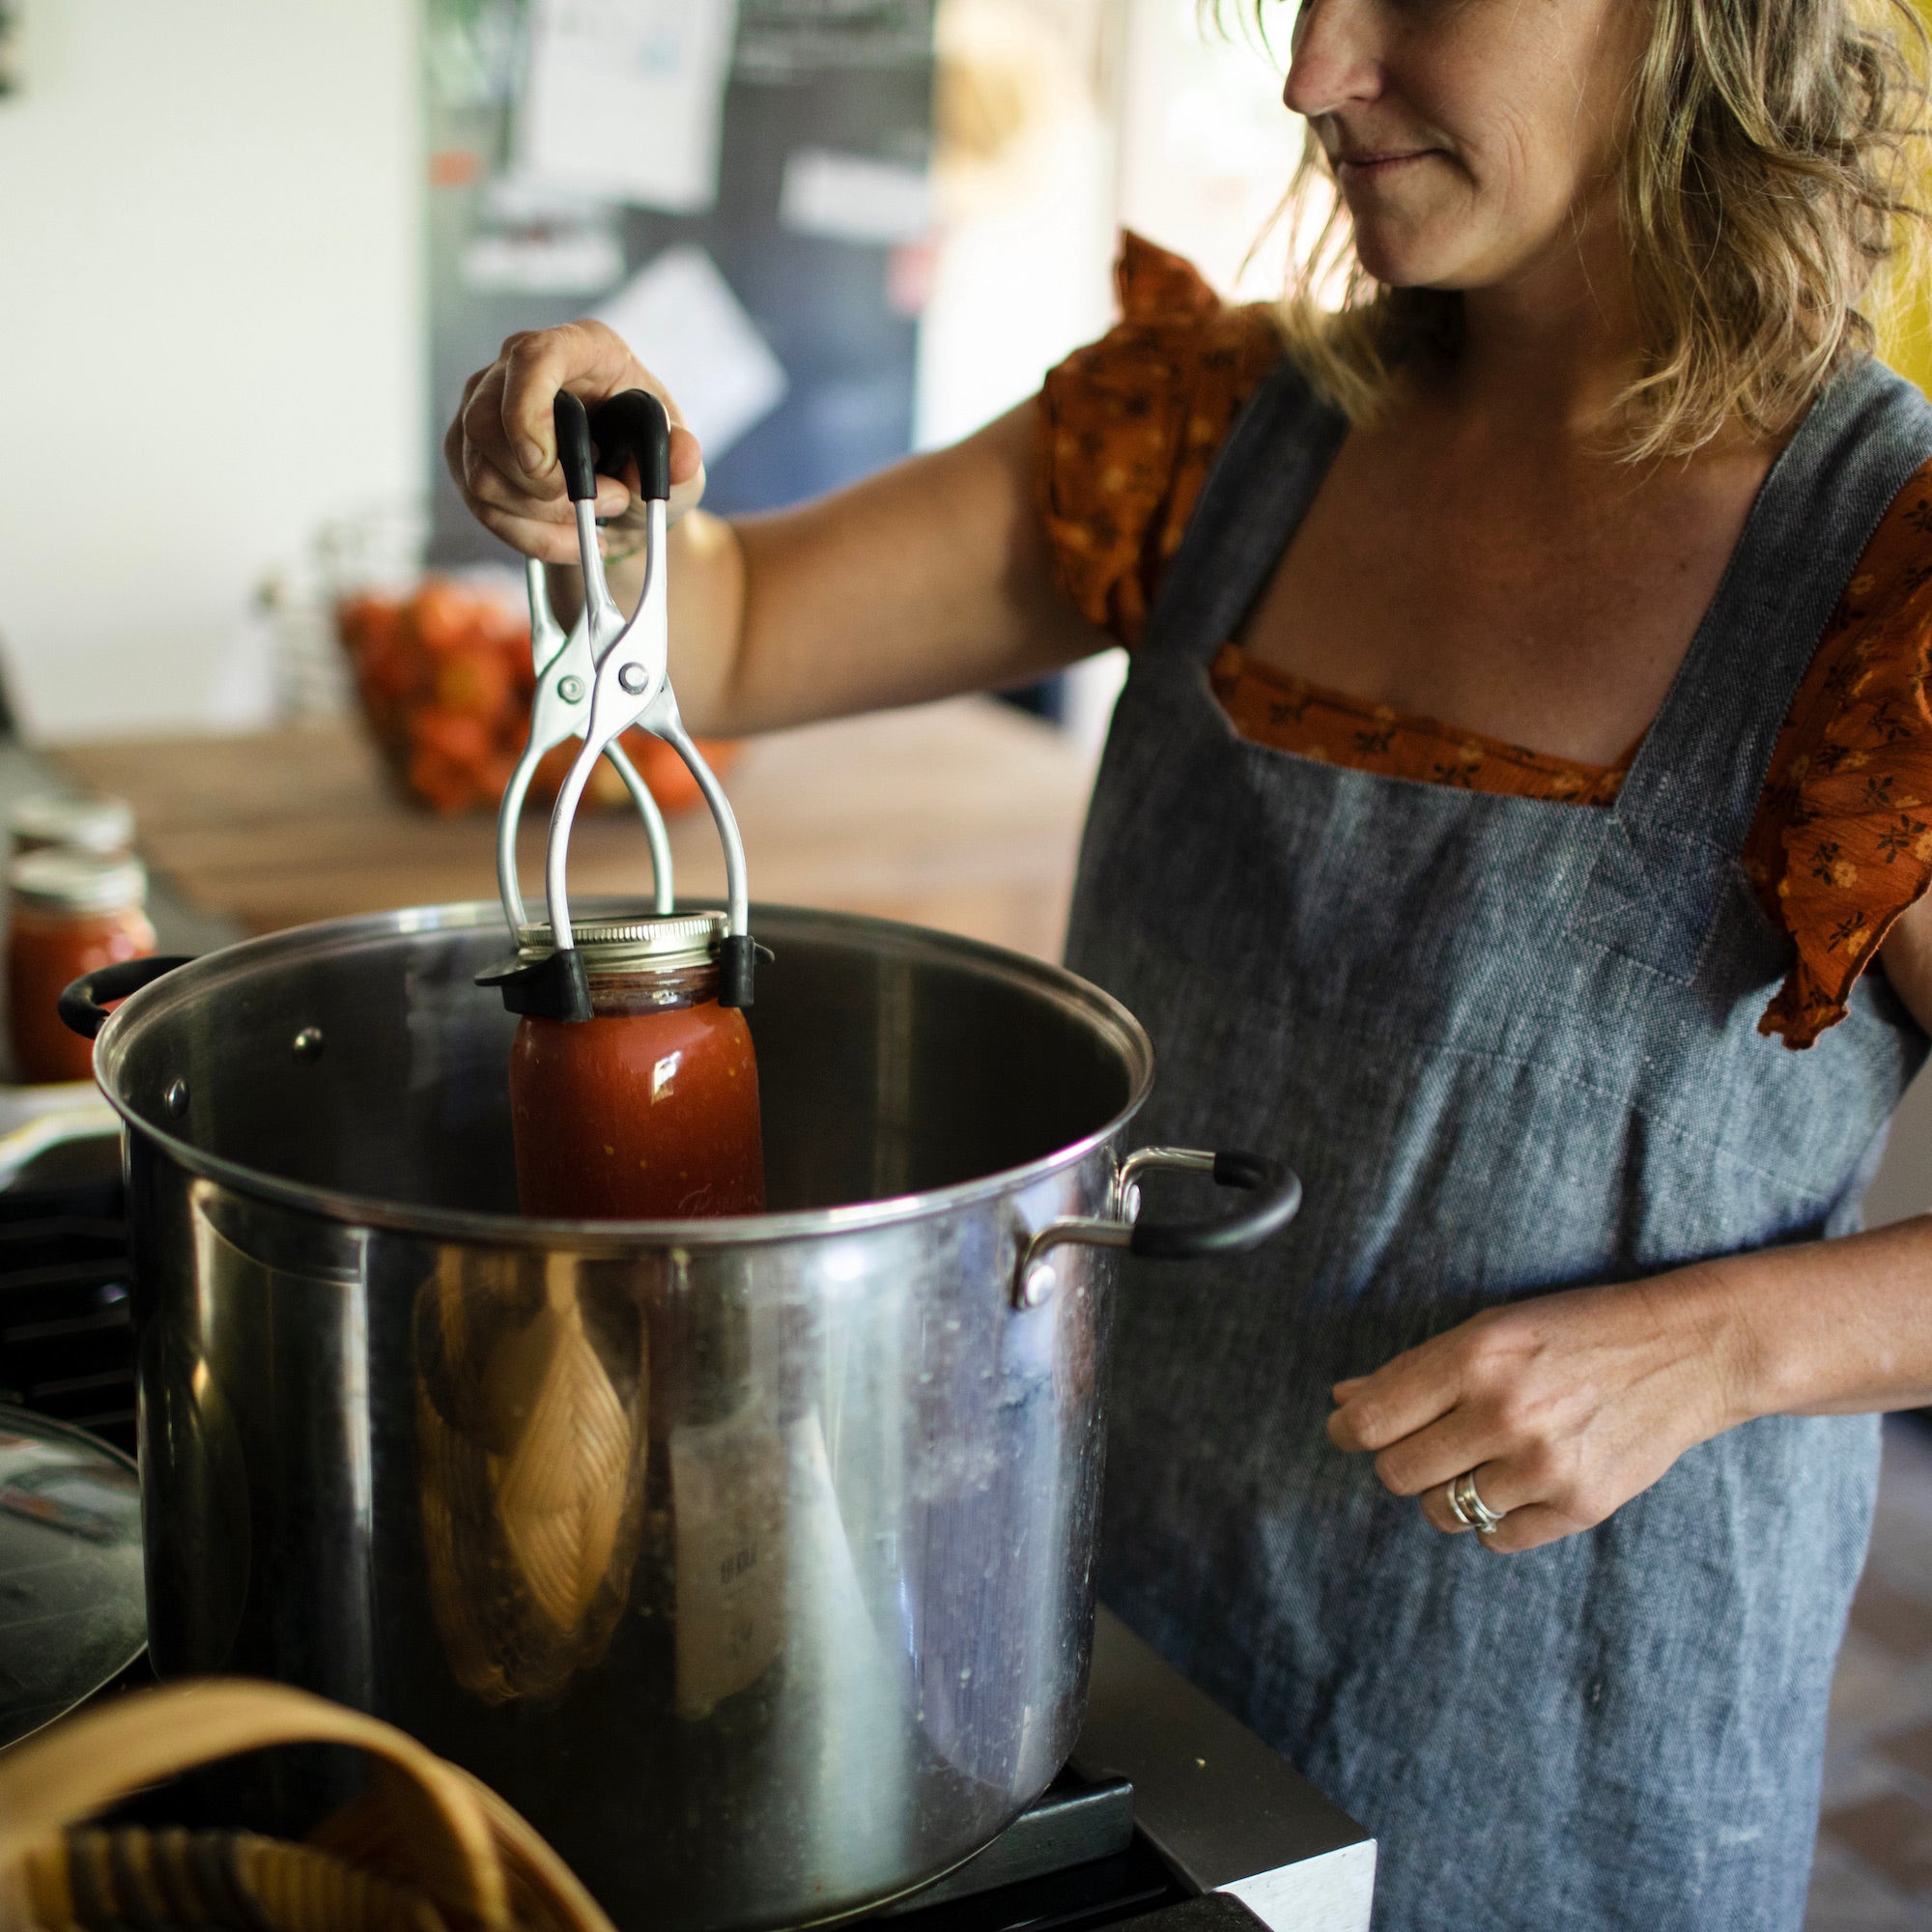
(531, 1396)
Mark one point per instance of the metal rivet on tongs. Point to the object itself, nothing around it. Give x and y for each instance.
(609, 675)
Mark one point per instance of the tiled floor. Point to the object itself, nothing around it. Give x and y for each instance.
(1874, 1871)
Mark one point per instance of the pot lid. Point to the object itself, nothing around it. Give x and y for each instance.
(74, 1611)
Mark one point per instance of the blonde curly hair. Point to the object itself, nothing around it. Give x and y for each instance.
(1765, 185)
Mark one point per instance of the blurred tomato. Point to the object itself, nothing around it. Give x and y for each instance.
(476, 681)
(442, 616)
(667, 775)
(445, 681)
(450, 759)
(366, 622)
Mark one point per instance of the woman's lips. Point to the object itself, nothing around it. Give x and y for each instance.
(1367, 166)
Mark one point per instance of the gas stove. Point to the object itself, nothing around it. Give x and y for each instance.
(1170, 1812)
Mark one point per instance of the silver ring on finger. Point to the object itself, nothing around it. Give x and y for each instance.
(1469, 1509)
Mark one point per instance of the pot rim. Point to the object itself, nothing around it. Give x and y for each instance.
(202, 974)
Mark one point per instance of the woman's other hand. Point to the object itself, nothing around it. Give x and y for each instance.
(502, 447)
(1562, 1408)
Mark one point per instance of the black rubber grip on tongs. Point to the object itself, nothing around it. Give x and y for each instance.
(634, 425)
(571, 424)
(629, 428)
(555, 987)
(737, 969)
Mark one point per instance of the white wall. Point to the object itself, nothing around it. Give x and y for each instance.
(209, 330)
(1209, 149)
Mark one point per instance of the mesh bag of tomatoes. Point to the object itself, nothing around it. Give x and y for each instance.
(445, 680)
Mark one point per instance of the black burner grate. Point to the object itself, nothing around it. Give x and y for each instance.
(67, 1346)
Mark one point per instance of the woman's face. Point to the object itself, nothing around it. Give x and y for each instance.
(1469, 137)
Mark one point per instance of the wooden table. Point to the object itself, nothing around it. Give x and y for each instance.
(964, 816)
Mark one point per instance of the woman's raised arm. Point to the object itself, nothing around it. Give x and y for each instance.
(932, 578)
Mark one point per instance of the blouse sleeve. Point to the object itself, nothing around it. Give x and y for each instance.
(1842, 843)
(1128, 428)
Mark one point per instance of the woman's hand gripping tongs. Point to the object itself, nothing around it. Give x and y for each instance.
(607, 676)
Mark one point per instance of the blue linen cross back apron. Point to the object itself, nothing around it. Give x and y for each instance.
(1510, 1046)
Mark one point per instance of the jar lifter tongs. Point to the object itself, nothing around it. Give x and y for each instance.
(607, 675)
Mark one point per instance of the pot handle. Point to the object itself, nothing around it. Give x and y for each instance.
(83, 1006)
(1275, 1188)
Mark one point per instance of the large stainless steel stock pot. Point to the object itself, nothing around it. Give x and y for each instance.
(750, 1559)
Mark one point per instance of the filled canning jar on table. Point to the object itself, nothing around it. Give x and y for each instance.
(68, 913)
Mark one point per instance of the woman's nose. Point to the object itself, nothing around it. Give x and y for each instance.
(1335, 57)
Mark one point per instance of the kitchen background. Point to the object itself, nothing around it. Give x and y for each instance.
(248, 251)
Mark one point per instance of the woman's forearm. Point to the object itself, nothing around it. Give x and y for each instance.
(931, 578)
(1825, 1328)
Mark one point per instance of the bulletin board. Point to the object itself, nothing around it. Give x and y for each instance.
(776, 285)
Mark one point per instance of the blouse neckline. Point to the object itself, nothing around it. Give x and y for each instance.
(1289, 713)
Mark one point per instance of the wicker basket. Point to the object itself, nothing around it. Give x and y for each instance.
(428, 1849)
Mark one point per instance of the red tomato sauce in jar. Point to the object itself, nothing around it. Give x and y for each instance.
(68, 913)
(648, 1111)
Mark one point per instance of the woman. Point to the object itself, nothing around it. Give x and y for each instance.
(1526, 725)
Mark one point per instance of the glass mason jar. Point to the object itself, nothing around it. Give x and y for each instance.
(648, 1111)
(68, 913)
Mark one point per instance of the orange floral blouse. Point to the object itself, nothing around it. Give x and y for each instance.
(1129, 428)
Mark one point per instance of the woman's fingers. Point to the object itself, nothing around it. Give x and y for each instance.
(1531, 1528)
(1402, 1396)
(687, 458)
(1564, 1407)
(486, 485)
(586, 357)
(501, 446)
(1505, 1486)
(1458, 1440)
(1436, 1513)
(548, 543)
(1527, 1526)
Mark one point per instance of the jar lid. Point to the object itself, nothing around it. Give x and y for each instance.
(104, 825)
(70, 881)
(635, 945)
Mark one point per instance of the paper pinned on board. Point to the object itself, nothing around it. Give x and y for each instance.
(625, 98)
(685, 327)
(854, 198)
(579, 261)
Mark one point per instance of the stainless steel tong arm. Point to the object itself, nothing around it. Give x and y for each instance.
(631, 684)
(559, 711)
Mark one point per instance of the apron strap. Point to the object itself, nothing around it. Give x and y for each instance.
(1701, 768)
(1673, 842)
(1257, 493)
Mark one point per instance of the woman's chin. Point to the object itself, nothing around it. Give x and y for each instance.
(1400, 262)
(1414, 261)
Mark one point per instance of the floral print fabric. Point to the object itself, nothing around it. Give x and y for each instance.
(1129, 428)
(1842, 842)
(1274, 707)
